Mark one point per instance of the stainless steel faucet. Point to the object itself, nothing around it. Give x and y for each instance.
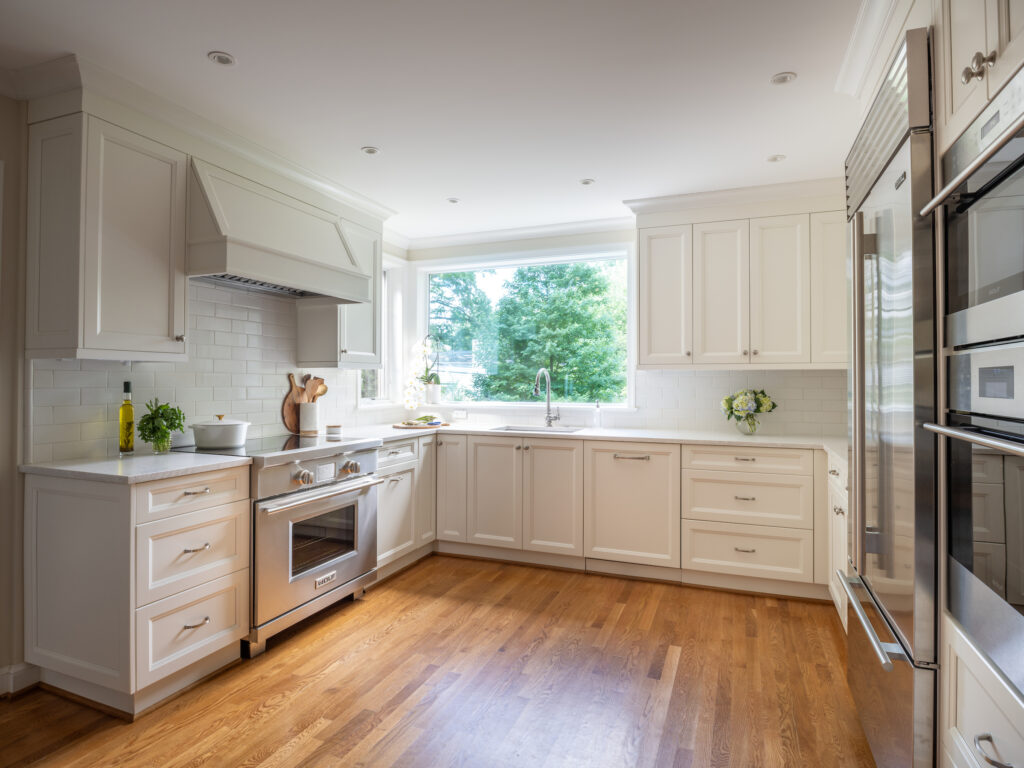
(549, 418)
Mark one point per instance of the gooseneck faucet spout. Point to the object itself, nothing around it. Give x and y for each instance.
(549, 418)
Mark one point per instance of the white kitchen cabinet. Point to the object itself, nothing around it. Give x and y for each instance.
(837, 546)
(829, 301)
(631, 502)
(396, 513)
(780, 289)
(553, 496)
(106, 243)
(451, 487)
(336, 335)
(426, 491)
(665, 308)
(494, 512)
(721, 292)
(761, 551)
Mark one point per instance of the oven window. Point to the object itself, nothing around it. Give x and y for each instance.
(318, 540)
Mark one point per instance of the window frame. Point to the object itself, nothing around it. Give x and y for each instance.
(600, 252)
(392, 276)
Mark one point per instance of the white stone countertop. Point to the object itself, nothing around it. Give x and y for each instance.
(137, 469)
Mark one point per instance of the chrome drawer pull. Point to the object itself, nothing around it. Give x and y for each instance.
(984, 756)
(834, 472)
(743, 458)
(202, 623)
(745, 498)
(193, 550)
(838, 510)
(198, 493)
(746, 551)
(393, 453)
(631, 458)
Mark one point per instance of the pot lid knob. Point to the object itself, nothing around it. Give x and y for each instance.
(220, 417)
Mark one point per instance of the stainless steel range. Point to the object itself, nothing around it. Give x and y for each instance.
(314, 523)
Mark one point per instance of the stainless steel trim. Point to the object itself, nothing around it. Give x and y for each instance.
(959, 433)
(1001, 318)
(623, 457)
(984, 755)
(882, 650)
(856, 469)
(338, 489)
(202, 623)
(193, 550)
(197, 493)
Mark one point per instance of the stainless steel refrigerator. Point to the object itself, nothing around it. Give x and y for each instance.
(891, 575)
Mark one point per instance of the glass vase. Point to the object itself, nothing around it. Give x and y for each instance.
(162, 445)
(748, 425)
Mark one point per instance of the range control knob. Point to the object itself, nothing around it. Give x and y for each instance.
(304, 477)
(350, 468)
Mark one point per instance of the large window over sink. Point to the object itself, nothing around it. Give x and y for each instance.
(494, 327)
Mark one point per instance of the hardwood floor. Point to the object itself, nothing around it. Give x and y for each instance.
(469, 663)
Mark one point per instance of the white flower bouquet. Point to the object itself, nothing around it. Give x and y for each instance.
(744, 405)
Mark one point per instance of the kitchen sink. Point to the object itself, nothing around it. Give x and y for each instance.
(532, 428)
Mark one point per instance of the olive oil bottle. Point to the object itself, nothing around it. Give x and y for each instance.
(126, 423)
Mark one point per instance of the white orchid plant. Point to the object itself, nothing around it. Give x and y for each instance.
(416, 385)
(745, 404)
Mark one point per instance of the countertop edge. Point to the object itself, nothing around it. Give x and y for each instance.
(77, 470)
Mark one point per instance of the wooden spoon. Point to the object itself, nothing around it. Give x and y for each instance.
(320, 392)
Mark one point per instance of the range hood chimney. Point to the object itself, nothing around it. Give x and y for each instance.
(246, 234)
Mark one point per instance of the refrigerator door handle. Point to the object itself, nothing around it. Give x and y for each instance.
(885, 652)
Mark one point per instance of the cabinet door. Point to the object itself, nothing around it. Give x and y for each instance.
(396, 514)
(426, 492)
(631, 502)
(451, 488)
(837, 538)
(721, 292)
(1004, 20)
(134, 267)
(495, 507)
(359, 325)
(553, 496)
(665, 296)
(780, 290)
(829, 302)
(962, 33)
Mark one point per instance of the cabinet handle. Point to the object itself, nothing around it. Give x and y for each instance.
(526, 447)
(838, 510)
(745, 353)
(202, 623)
(745, 551)
(180, 337)
(198, 493)
(754, 352)
(193, 550)
(745, 498)
(393, 453)
(688, 353)
(834, 472)
(743, 458)
(342, 351)
(397, 478)
(440, 443)
(631, 458)
(979, 63)
(984, 755)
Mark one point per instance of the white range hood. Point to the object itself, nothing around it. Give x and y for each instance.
(248, 234)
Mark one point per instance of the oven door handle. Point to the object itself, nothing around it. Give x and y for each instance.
(311, 496)
(1006, 446)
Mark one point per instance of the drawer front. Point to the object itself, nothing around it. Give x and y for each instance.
(178, 631)
(748, 550)
(185, 551)
(752, 499)
(188, 493)
(397, 451)
(776, 461)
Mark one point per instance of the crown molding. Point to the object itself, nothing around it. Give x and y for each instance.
(589, 227)
(873, 19)
(396, 240)
(741, 196)
(7, 84)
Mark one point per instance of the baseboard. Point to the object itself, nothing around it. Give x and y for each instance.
(755, 586)
(18, 677)
(519, 556)
(385, 572)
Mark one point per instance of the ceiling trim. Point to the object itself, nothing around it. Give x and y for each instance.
(873, 19)
(740, 196)
(523, 233)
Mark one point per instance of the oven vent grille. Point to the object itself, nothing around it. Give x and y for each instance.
(257, 285)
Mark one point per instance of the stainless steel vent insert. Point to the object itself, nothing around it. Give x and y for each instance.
(903, 104)
(256, 285)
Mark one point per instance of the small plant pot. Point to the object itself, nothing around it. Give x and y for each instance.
(433, 393)
(162, 445)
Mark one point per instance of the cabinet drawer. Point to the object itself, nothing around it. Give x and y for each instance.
(776, 461)
(186, 550)
(177, 495)
(748, 550)
(397, 451)
(754, 499)
(172, 633)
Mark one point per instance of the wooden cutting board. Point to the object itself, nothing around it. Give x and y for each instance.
(290, 406)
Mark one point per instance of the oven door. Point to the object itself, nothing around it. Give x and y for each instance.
(308, 544)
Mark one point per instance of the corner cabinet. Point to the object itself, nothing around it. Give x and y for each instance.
(451, 488)
(335, 335)
(106, 243)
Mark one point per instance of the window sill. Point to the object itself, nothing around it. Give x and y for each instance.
(377, 405)
(500, 405)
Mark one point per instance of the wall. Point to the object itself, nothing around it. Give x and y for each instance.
(241, 345)
(13, 142)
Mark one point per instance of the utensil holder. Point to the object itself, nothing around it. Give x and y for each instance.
(309, 419)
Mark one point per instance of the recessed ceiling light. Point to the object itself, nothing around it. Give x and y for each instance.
(220, 57)
(587, 182)
(775, 158)
(370, 150)
(781, 78)
(453, 200)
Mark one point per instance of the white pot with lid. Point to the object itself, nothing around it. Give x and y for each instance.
(220, 433)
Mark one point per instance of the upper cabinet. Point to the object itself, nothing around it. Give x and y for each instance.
(106, 243)
(766, 292)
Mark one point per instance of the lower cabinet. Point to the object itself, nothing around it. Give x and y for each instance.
(396, 512)
(837, 546)
(631, 502)
(426, 492)
(451, 487)
(495, 506)
(762, 551)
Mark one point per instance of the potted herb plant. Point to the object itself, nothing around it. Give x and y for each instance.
(156, 426)
(744, 405)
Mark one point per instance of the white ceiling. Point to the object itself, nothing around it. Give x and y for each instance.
(505, 104)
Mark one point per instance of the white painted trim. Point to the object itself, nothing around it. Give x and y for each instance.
(396, 243)
(739, 196)
(47, 78)
(18, 677)
(521, 233)
(873, 19)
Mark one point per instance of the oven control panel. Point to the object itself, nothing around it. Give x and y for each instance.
(284, 478)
